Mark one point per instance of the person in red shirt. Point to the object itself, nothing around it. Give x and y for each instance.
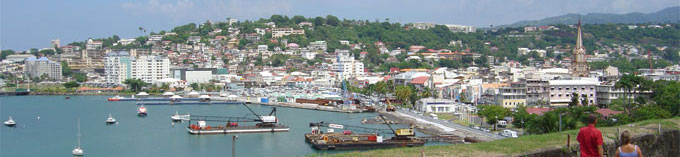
(590, 139)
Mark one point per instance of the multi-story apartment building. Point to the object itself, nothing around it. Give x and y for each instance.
(42, 67)
(537, 92)
(347, 67)
(607, 93)
(120, 66)
(561, 91)
(514, 95)
(318, 45)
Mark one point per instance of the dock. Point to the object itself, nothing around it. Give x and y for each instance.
(237, 129)
(155, 99)
(191, 103)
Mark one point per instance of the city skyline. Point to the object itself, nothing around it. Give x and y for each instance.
(78, 20)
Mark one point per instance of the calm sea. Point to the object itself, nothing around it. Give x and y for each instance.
(54, 132)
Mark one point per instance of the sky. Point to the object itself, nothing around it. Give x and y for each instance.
(28, 24)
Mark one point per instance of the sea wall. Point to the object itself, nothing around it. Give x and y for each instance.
(662, 145)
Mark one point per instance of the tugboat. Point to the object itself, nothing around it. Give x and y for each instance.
(110, 120)
(10, 122)
(141, 111)
(78, 151)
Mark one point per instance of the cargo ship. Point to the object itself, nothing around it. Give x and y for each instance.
(349, 140)
(268, 123)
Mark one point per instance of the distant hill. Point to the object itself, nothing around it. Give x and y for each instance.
(671, 14)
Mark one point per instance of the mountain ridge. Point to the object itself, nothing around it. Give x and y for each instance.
(670, 14)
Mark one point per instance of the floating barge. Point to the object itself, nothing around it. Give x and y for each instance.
(197, 130)
(330, 141)
(348, 140)
(267, 123)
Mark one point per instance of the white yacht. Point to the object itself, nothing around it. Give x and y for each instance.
(78, 151)
(10, 122)
(110, 120)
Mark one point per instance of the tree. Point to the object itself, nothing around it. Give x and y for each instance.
(195, 86)
(666, 95)
(651, 112)
(584, 101)
(492, 113)
(6, 53)
(574, 100)
(403, 93)
(65, 69)
(332, 20)
(135, 85)
(521, 116)
(80, 77)
(71, 84)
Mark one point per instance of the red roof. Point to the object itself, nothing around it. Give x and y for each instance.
(394, 69)
(420, 80)
(607, 112)
(538, 111)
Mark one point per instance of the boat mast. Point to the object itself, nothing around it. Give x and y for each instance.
(78, 133)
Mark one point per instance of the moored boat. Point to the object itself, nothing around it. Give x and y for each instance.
(110, 120)
(10, 122)
(141, 111)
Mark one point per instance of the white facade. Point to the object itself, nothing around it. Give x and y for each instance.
(347, 67)
(119, 66)
(561, 91)
(42, 66)
(430, 105)
(198, 76)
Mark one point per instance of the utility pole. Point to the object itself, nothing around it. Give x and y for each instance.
(561, 114)
(233, 145)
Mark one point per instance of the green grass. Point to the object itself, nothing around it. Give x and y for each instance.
(517, 146)
(444, 116)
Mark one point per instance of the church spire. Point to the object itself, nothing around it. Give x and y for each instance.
(579, 41)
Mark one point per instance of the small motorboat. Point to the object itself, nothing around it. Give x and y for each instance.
(110, 120)
(115, 98)
(180, 117)
(10, 122)
(67, 97)
(141, 111)
(78, 151)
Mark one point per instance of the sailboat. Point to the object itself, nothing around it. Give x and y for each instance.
(10, 122)
(78, 151)
(110, 120)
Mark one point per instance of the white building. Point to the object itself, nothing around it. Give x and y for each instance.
(42, 66)
(561, 91)
(431, 105)
(318, 45)
(280, 32)
(347, 67)
(423, 25)
(461, 28)
(119, 66)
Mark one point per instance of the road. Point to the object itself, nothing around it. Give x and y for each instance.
(459, 129)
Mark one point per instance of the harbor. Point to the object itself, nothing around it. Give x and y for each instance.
(131, 133)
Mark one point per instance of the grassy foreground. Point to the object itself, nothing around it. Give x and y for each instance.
(516, 146)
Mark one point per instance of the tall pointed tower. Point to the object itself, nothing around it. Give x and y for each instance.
(579, 65)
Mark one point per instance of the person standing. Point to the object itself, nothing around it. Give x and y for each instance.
(590, 139)
(628, 149)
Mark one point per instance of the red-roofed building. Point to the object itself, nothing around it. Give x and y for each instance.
(605, 112)
(538, 111)
(421, 82)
